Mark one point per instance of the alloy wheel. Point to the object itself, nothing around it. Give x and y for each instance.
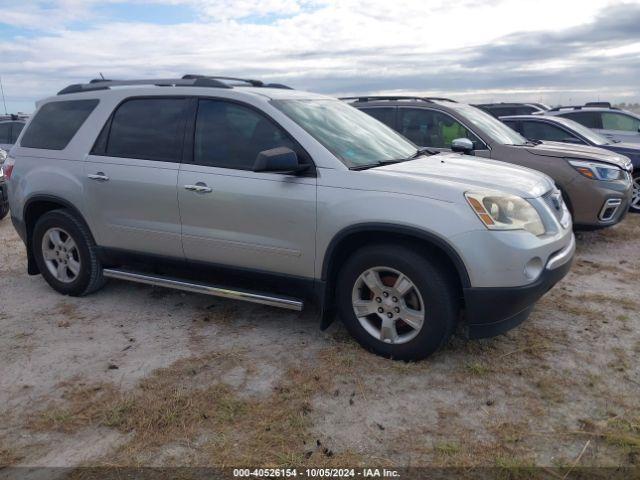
(388, 305)
(61, 255)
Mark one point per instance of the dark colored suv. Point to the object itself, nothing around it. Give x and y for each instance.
(10, 128)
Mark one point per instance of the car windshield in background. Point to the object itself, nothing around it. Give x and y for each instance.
(587, 133)
(353, 136)
(489, 125)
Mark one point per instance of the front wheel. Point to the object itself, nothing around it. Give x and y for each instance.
(635, 198)
(396, 302)
(65, 253)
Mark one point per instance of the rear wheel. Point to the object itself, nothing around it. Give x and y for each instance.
(3, 211)
(396, 302)
(635, 199)
(65, 253)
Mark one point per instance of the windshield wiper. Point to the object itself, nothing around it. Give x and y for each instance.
(379, 163)
(421, 151)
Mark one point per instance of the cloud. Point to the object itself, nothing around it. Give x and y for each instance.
(475, 49)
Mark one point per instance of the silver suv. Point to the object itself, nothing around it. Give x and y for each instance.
(271, 195)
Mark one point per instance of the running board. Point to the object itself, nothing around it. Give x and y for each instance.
(195, 287)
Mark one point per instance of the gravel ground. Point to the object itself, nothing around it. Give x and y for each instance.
(115, 378)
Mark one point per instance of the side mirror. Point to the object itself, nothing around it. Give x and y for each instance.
(462, 145)
(279, 160)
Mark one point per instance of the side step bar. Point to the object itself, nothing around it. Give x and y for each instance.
(195, 287)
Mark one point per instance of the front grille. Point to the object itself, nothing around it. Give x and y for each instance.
(553, 199)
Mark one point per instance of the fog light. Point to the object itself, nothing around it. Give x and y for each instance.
(533, 268)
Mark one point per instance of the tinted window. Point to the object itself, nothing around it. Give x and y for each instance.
(229, 135)
(429, 128)
(149, 129)
(544, 131)
(588, 119)
(15, 131)
(619, 121)
(5, 132)
(56, 123)
(386, 115)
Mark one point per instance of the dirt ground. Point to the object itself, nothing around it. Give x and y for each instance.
(135, 375)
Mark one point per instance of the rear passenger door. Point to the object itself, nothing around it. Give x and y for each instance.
(131, 176)
(236, 217)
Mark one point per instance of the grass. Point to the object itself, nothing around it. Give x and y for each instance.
(184, 402)
(447, 448)
(8, 457)
(477, 369)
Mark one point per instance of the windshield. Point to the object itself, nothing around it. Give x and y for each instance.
(490, 126)
(351, 135)
(587, 133)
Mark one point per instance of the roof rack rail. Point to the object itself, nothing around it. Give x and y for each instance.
(99, 84)
(373, 98)
(586, 105)
(598, 104)
(253, 83)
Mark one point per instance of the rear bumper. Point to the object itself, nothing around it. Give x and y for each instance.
(495, 310)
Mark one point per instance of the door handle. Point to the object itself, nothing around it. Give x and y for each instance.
(199, 188)
(100, 177)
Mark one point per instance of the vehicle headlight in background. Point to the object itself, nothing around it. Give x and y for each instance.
(1, 172)
(505, 212)
(597, 170)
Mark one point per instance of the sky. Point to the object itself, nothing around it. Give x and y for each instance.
(555, 51)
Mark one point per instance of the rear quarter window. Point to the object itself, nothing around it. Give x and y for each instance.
(56, 123)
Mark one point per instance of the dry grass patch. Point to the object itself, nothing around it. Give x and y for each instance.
(185, 404)
(8, 457)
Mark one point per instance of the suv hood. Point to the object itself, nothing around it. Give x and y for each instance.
(580, 152)
(467, 172)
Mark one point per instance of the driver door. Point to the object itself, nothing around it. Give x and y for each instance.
(233, 216)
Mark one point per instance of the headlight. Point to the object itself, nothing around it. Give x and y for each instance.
(1, 173)
(598, 171)
(505, 212)
(3, 155)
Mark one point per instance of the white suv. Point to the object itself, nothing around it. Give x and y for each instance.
(271, 195)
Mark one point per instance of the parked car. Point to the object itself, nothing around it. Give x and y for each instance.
(277, 196)
(613, 123)
(502, 109)
(10, 128)
(561, 129)
(595, 199)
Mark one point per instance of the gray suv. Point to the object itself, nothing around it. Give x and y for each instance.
(595, 183)
(266, 194)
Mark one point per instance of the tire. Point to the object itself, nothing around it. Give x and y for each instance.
(3, 211)
(634, 207)
(432, 294)
(73, 247)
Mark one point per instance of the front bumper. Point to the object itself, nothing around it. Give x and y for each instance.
(589, 199)
(491, 311)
